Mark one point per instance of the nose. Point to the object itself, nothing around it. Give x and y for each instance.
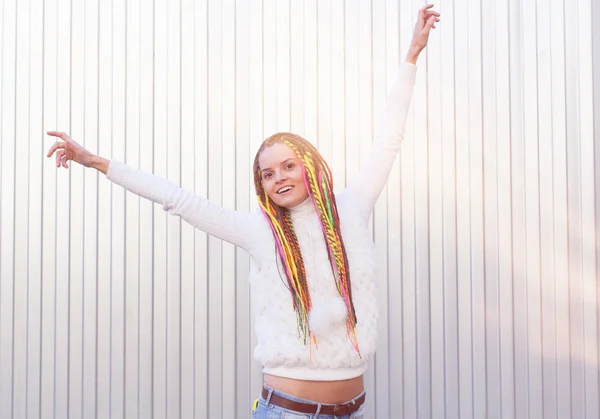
(279, 176)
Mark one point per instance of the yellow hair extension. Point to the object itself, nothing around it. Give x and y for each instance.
(319, 184)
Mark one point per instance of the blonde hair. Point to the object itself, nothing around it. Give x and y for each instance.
(319, 185)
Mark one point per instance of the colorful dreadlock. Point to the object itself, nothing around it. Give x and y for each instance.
(319, 184)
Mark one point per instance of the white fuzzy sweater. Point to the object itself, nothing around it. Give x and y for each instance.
(279, 348)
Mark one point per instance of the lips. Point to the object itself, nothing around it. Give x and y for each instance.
(285, 190)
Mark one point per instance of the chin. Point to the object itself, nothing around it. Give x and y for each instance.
(288, 202)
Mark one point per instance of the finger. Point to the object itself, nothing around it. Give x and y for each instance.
(429, 25)
(55, 133)
(426, 8)
(55, 147)
(59, 134)
(63, 160)
(58, 157)
(432, 12)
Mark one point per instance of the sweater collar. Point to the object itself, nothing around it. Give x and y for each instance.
(305, 208)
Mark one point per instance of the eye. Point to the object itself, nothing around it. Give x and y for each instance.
(289, 166)
(267, 175)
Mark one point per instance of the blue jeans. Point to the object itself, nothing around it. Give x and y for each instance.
(270, 411)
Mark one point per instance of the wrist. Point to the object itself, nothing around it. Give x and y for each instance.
(99, 163)
(413, 54)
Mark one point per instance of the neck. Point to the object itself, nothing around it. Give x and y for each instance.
(304, 206)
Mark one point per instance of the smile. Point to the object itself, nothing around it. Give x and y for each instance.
(285, 190)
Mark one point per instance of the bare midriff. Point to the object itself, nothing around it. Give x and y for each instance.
(330, 392)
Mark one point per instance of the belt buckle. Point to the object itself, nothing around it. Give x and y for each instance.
(340, 410)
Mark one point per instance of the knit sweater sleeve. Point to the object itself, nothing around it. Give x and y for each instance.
(230, 225)
(363, 191)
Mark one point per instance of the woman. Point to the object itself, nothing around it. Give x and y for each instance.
(313, 264)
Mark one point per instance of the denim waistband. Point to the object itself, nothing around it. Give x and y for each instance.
(298, 399)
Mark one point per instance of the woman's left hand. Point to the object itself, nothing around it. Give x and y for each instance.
(426, 20)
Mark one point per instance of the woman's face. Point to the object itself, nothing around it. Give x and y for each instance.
(281, 174)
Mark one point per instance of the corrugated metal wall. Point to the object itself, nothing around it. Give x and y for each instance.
(487, 235)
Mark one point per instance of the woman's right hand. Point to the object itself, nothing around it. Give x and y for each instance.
(67, 149)
(425, 22)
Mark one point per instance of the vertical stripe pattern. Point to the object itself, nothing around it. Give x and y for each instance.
(487, 232)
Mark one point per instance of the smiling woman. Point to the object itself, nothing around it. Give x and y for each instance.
(280, 171)
(288, 170)
(312, 275)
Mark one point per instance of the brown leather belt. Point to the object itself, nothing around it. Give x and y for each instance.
(326, 409)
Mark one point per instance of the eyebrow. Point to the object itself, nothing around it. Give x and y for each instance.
(283, 162)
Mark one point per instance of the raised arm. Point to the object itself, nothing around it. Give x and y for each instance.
(363, 191)
(232, 226)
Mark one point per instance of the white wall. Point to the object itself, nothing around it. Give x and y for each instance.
(487, 235)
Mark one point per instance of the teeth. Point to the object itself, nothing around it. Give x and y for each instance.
(284, 189)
